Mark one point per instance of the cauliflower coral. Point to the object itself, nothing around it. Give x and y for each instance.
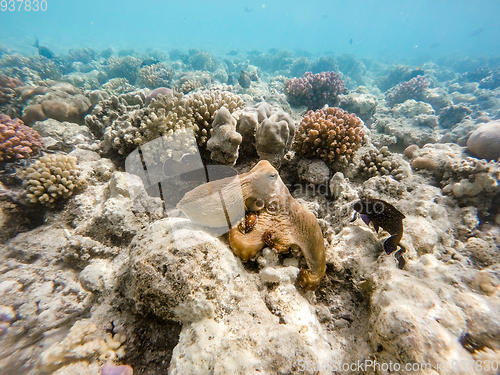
(329, 134)
(17, 141)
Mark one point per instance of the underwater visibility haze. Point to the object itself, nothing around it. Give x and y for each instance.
(242, 187)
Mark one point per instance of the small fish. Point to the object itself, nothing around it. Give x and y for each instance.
(149, 62)
(477, 32)
(233, 52)
(43, 51)
(350, 42)
(248, 9)
(383, 215)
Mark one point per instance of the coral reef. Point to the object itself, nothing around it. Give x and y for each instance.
(451, 115)
(200, 60)
(415, 89)
(330, 134)
(7, 89)
(123, 67)
(154, 76)
(397, 75)
(60, 101)
(315, 90)
(17, 141)
(410, 122)
(265, 131)
(359, 102)
(168, 113)
(51, 178)
(225, 141)
(382, 162)
(484, 142)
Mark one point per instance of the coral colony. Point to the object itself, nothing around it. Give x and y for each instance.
(187, 213)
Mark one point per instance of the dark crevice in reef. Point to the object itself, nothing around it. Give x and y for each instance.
(150, 345)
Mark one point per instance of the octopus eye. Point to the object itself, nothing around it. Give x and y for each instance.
(272, 175)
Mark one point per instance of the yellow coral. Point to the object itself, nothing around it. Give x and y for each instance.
(50, 178)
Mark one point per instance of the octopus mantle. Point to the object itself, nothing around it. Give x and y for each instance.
(271, 217)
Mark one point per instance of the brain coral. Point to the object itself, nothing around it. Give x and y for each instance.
(315, 90)
(484, 142)
(17, 141)
(51, 178)
(329, 134)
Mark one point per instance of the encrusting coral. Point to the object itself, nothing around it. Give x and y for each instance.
(17, 141)
(329, 134)
(271, 217)
(315, 90)
(51, 178)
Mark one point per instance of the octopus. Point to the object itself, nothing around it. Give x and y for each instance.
(260, 212)
(384, 215)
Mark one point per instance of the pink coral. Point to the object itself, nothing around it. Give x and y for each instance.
(7, 88)
(17, 141)
(315, 90)
(111, 369)
(415, 88)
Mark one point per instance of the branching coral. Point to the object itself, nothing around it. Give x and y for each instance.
(51, 178)
(329, 134)
(166, 114)
(315, 90)
(17, 141)
(415, 88)
(153, 76)
(123, 67)
(7, 88)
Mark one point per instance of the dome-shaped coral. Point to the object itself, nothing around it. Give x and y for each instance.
(315, 90)
(17, 141)
(329, 134)
(484, 142)
(50, 178)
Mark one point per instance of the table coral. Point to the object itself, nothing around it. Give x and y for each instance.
(51, 178)
(278, 220)
(315, 90)
(329, 134)
(17, 141)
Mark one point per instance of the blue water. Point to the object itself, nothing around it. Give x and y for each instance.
(382, 28)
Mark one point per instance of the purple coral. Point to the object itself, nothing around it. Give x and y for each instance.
(17, 141)
(413, 89)
(315, 90)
